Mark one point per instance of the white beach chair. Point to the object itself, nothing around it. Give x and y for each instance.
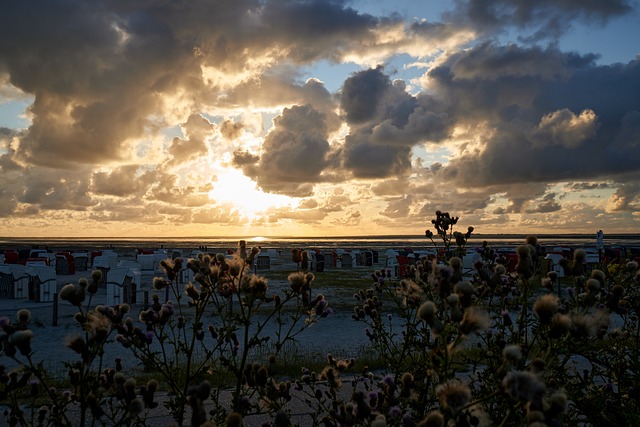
(554, 259)
(14, 281)
(469, 261)
(273, 254)
(122, 286)
(43, 283)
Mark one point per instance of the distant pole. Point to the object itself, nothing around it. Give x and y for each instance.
(55, 309)
(600, 244)
(146, 300)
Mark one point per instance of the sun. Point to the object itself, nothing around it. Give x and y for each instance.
(233, 187)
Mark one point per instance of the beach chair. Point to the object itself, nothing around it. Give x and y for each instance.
(147, 263)
(368, 258)
(121, 286)
(186, 274)
(329, 261)
(402, 267)
(81, 260)
(347, 261)
(65, 263)
(104, 263)
(273, 254)
(263, 262)
(469, 261)
(554, 263)
(392, 260)
(43, 284)
(14, 281)
(319, 262)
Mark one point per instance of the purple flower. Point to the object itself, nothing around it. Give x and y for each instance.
(327, 312)
(389, 380)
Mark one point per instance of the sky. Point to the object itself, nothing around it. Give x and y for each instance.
(318, 117)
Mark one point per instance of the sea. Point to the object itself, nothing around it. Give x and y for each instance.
(407, 242)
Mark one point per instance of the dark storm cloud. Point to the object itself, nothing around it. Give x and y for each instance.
(362, 95)
(388, 122)
(317, 28)
(574, 121)
(589, 186)
(295, 152)
(542, 18)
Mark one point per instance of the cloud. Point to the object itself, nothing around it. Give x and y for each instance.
(534, 128)
(294, 153)
(543, 19)
(386, 122)
(626, 197)
(120, 182)
(489, 126)
(565, 128)
(197, 130)
(545, 205)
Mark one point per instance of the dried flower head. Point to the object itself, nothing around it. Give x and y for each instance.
(465, 290)
(579, 255)
(599, 276)
(23, 315)
(593, 285)
(525, 261)
(545, 307)
(455, 262)
(427, 312)
(22, 341)
(589, 325)
(434, 419)
(523, 386)
(74, 294)
(159, 283)
(512, 353)
(560, 325)
(474, 320)
(453, 394)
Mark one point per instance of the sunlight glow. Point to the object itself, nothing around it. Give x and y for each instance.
(232, 187)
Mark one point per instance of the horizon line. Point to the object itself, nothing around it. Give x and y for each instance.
(277, 237)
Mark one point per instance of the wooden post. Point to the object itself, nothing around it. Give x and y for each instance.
(146, 300)
(55, 309)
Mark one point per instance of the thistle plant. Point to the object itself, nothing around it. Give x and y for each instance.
(500, 348)
(217, 333)
(444, 224)
(94, 393)
(197, 340)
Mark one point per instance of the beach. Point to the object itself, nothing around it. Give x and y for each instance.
(53, 324)
(53, 321)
